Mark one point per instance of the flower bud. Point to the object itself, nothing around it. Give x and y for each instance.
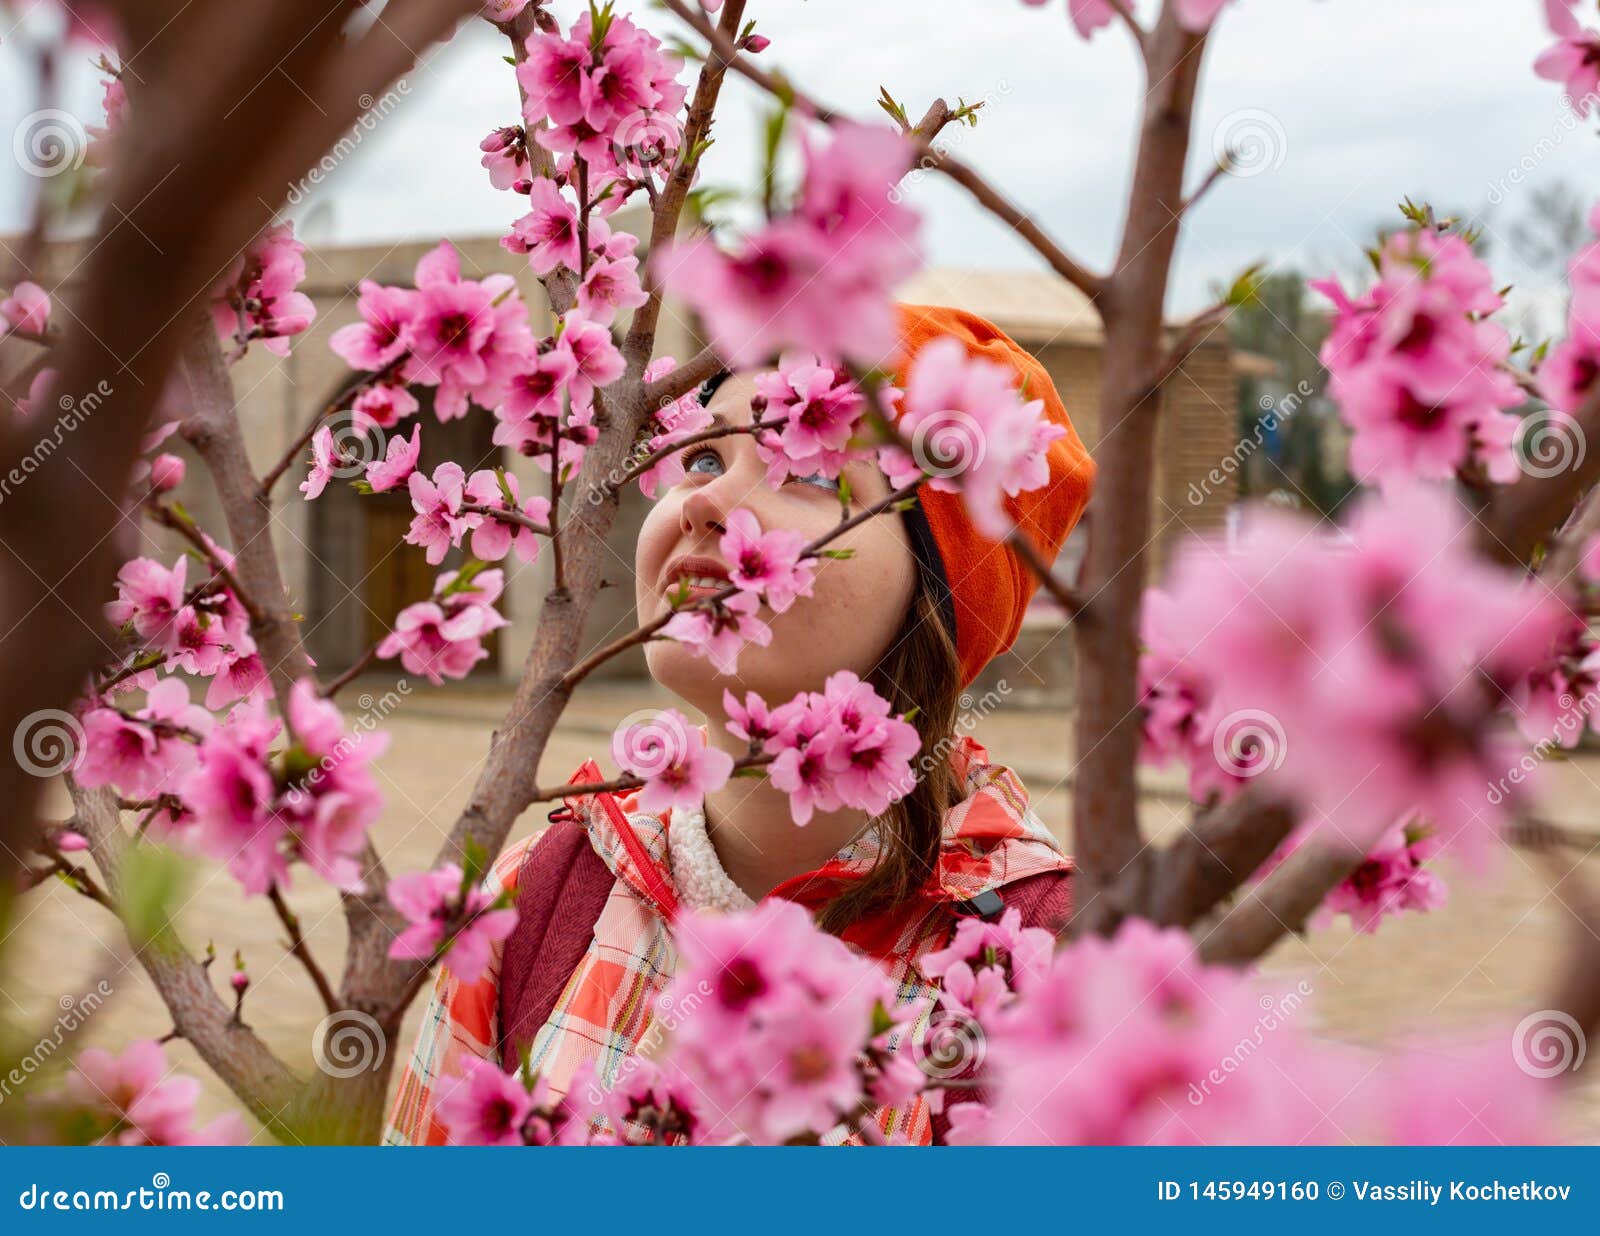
(166, 472)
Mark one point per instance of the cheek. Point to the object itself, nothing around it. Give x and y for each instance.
(857, 606)
(657, 534)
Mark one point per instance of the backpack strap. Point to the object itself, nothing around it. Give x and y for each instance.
(562, 886)
(1044, 900)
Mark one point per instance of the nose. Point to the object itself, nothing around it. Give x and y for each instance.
(702, 513)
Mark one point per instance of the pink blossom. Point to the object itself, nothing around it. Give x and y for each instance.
(255, 819)
(1574, 60)
(1120, 1042)
(149, 596)
(244, 677)
(494, 538)
(775, 1046)
(1417, 371)
(485, 1106)
(1390, 881)
(443, 637)
(259, 298)
(382, 406)
(439, 524)
(380, 338)
(166, 473)
(146, 1110)
(27, 309)
(768, 563)
(595, 357)
(503, 10)
(324, 463)
(840, 747)
(548, 233)
(592, 95)
(971, 432)
(1493, 1089)
(433, 903)
(505, 156)
(146, 755)
(677, 766)
(820, 279)
(655, 1095)
(820, 407)
(1366, 666)
(721, 633)
(611, 286)
(398, 463)
(1197, 15)
(753, 720)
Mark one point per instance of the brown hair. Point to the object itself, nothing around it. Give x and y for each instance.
(921, 670)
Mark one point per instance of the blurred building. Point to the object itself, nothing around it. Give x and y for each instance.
(349, 571)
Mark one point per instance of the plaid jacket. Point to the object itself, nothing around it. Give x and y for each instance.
(608, 1010)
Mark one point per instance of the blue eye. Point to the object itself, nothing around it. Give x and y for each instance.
(692, 464)
(830, 483)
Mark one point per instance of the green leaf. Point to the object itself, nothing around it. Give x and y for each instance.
(836, 553)
(474, 863)
(464, 577)
(505, 487)
(893, 106)
(1246, 289)
(756, 773)
(153, 881)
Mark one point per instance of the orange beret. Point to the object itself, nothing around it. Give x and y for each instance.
(983, 586)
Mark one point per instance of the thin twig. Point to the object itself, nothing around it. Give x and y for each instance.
(298, 946)
(928, 156)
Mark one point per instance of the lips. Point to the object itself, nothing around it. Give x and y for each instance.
(703, 575)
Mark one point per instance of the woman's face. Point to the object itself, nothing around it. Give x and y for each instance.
(857, 605)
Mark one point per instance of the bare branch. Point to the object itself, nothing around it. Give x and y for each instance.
(301, 950)
(928, 155)
(238, 1057)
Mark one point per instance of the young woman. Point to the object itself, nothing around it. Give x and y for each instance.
(921, 605)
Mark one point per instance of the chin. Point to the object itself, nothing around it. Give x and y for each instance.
(692, 679)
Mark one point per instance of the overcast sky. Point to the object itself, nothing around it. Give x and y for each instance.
(1359, 102)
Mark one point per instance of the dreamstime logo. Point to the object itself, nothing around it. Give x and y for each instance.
(1275, 1011)
(650, 741)
(948, 443)
(1548, 1043)
(950, 1047)
(348, 1042)
(74, 411)
(1549, 443)
(1249, 742)
(50, 142)
(1249, 142)
(646, 142)
(1274, 411)
(1570, 120)
(373, 112)
(47, 742)
(75, 1011)
(972, 711)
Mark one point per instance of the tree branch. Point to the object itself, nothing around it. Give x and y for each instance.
(927, 155)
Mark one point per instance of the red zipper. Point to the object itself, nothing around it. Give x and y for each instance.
(657, 887)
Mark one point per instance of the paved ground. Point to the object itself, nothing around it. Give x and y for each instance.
(1490, 952)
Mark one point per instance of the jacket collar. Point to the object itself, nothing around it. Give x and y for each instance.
(992, 837)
